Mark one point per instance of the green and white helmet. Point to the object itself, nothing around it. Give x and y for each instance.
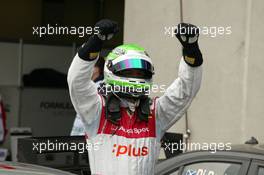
(128, 70)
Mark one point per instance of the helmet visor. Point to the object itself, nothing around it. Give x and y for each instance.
(133, 68)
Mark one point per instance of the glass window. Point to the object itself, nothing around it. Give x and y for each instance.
(176, 172)
(261, 171)
(212, 168)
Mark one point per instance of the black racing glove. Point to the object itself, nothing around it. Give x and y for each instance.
(90, 50)
(188, 35)
(107, 29)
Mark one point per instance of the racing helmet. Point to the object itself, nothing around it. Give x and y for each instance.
(128, 71)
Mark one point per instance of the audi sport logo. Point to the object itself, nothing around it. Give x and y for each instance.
(131, 131)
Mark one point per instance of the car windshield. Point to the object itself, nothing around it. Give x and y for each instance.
(212, 168)
(261, 171)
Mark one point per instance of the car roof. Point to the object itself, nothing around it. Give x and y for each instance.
(250, 149)
(247, 148)
(246, 151)
(241, 152)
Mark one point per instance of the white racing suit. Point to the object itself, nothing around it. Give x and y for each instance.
(132, 148)
(78, 127)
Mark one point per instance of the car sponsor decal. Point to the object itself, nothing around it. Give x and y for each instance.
(200, 172)
(6, 167)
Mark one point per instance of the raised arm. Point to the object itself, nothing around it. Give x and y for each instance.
(83, 90)
(179, 95)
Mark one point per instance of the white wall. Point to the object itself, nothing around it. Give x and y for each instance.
(229, 106)
(254, 117)
(218, 114)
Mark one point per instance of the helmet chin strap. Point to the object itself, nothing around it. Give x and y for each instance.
(115, 100)
(130, 103)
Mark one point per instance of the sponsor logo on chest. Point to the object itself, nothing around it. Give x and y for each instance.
(130, 130)
(129, 150)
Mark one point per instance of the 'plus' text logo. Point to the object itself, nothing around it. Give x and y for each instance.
(129, 150)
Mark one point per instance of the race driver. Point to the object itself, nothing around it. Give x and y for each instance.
(124, 126)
